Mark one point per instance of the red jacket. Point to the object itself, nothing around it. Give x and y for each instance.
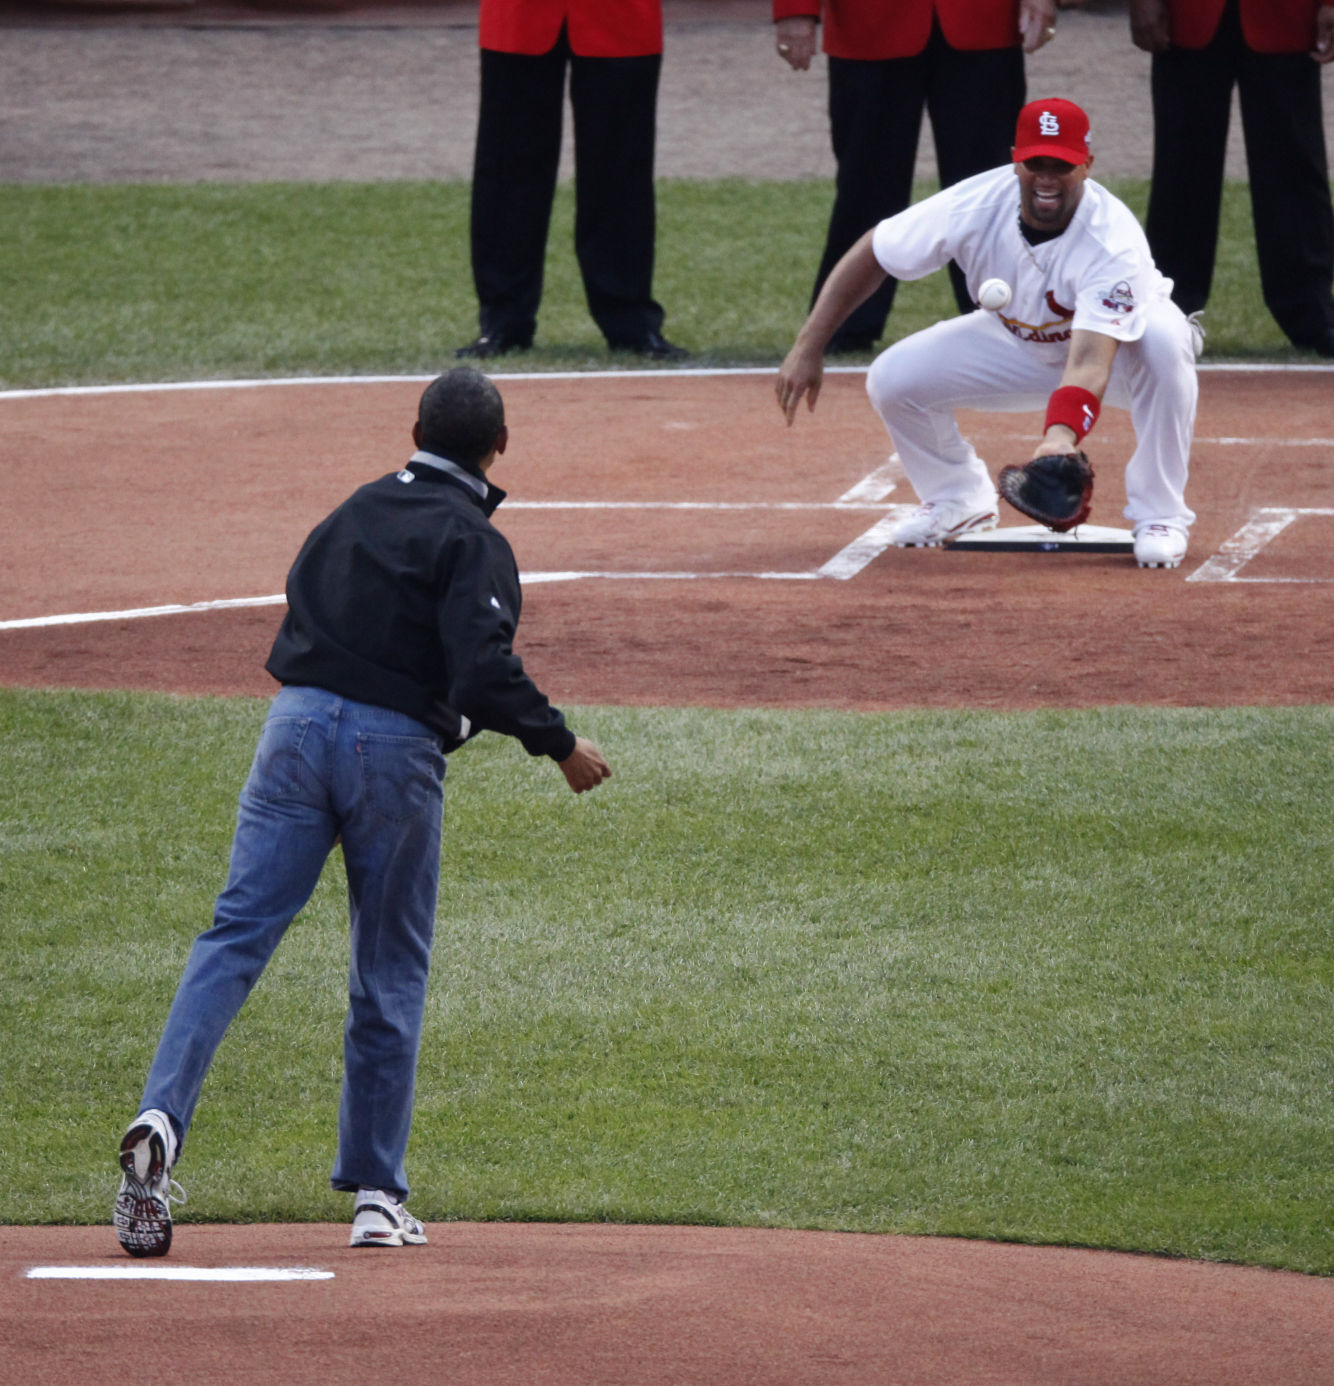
(900, 28)
(1269, 26)
(597, 28)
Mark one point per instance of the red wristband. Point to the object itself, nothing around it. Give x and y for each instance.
(1074, 407)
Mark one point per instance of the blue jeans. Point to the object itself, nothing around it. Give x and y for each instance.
(326, 767)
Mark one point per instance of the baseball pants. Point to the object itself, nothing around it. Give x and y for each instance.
(973, 362)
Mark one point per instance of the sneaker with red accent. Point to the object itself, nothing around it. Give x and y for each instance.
(939, 522)
(142, 1212)
(379, 1220)
(1159, 545)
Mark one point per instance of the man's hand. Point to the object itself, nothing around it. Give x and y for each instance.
(1150, 27)
(801, 375)
(1056, 441)
(1324, 34)
(851, 282)
(795, 40)
(585, 767)
(1037, 23)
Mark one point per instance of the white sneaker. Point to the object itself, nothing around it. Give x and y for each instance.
(1159, 545)
(142, 1212)
(378, 1220)
(937, 522)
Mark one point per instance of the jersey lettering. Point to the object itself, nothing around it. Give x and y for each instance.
(1027, 333)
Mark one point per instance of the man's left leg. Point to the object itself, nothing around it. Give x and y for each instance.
(390, 773)
(1290, 197)
(1154, 378)
(615, 104)
(916, 386)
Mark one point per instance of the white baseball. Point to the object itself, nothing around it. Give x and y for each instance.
(994, 295)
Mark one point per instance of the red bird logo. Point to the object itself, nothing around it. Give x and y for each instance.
(1064, 314)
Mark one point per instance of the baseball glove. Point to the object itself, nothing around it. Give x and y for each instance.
(1057, 491)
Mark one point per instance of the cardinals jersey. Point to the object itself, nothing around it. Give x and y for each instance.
(1097, 274)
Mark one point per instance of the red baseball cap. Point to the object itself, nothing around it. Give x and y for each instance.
(1055, 128)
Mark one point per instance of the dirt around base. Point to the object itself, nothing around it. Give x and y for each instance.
(706, 524)
(540, 1305)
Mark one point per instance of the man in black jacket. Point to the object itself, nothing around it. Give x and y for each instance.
(397, 647)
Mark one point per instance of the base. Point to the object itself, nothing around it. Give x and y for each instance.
(1040, 539)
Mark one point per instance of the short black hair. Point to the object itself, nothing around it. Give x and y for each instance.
(461, 415)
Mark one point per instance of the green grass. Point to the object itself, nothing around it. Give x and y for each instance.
(886, 973)
(142, 283)
(873, 972)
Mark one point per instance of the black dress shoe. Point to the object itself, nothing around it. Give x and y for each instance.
(493, 344)
(1324, 346)
(653, 345)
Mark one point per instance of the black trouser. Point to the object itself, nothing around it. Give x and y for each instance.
(1286, 158)
(875, 120)
(614, 101)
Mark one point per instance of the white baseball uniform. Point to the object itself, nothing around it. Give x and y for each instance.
(1098, 275)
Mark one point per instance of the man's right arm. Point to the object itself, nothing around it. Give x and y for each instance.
(853, 280)
(1150, 25)
(585, 767)
(794, 31)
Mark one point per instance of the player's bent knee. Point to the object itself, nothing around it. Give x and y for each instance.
(895, 378)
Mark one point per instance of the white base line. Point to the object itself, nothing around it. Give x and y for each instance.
(848, 562)
(137, 1272)
(1263, 528)
(865, 495)
(286, 382)
(79, 618)
(847, 502)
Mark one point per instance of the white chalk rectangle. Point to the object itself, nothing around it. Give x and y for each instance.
(134, 1271)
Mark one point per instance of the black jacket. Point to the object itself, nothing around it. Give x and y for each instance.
(407, 597)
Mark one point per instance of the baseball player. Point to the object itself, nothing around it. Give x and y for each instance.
(1090, 321)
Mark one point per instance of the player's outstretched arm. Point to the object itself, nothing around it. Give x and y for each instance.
(1088, 368)
(851, 282)
(585, 767)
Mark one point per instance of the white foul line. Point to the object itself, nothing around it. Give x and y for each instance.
(863, 496)
(78, 618)
(139, 1272)
(878, 484)
(847, 502)
(1265, 526)
(850, 561)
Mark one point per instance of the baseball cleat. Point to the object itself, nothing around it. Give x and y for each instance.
(1159, 546)
(938, 522)
(380, 1221)
(142, 1212)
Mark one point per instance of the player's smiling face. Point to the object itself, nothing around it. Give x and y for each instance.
(1049, 191)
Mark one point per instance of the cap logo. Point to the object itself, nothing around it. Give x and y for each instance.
(1048, 124)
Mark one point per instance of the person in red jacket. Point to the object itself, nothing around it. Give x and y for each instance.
(960, 61)
(1201, 50)
(612, 50)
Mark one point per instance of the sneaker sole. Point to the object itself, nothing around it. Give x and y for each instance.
(386, 1239)
(141, 1219)
(977, 523)
(1158, 563)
